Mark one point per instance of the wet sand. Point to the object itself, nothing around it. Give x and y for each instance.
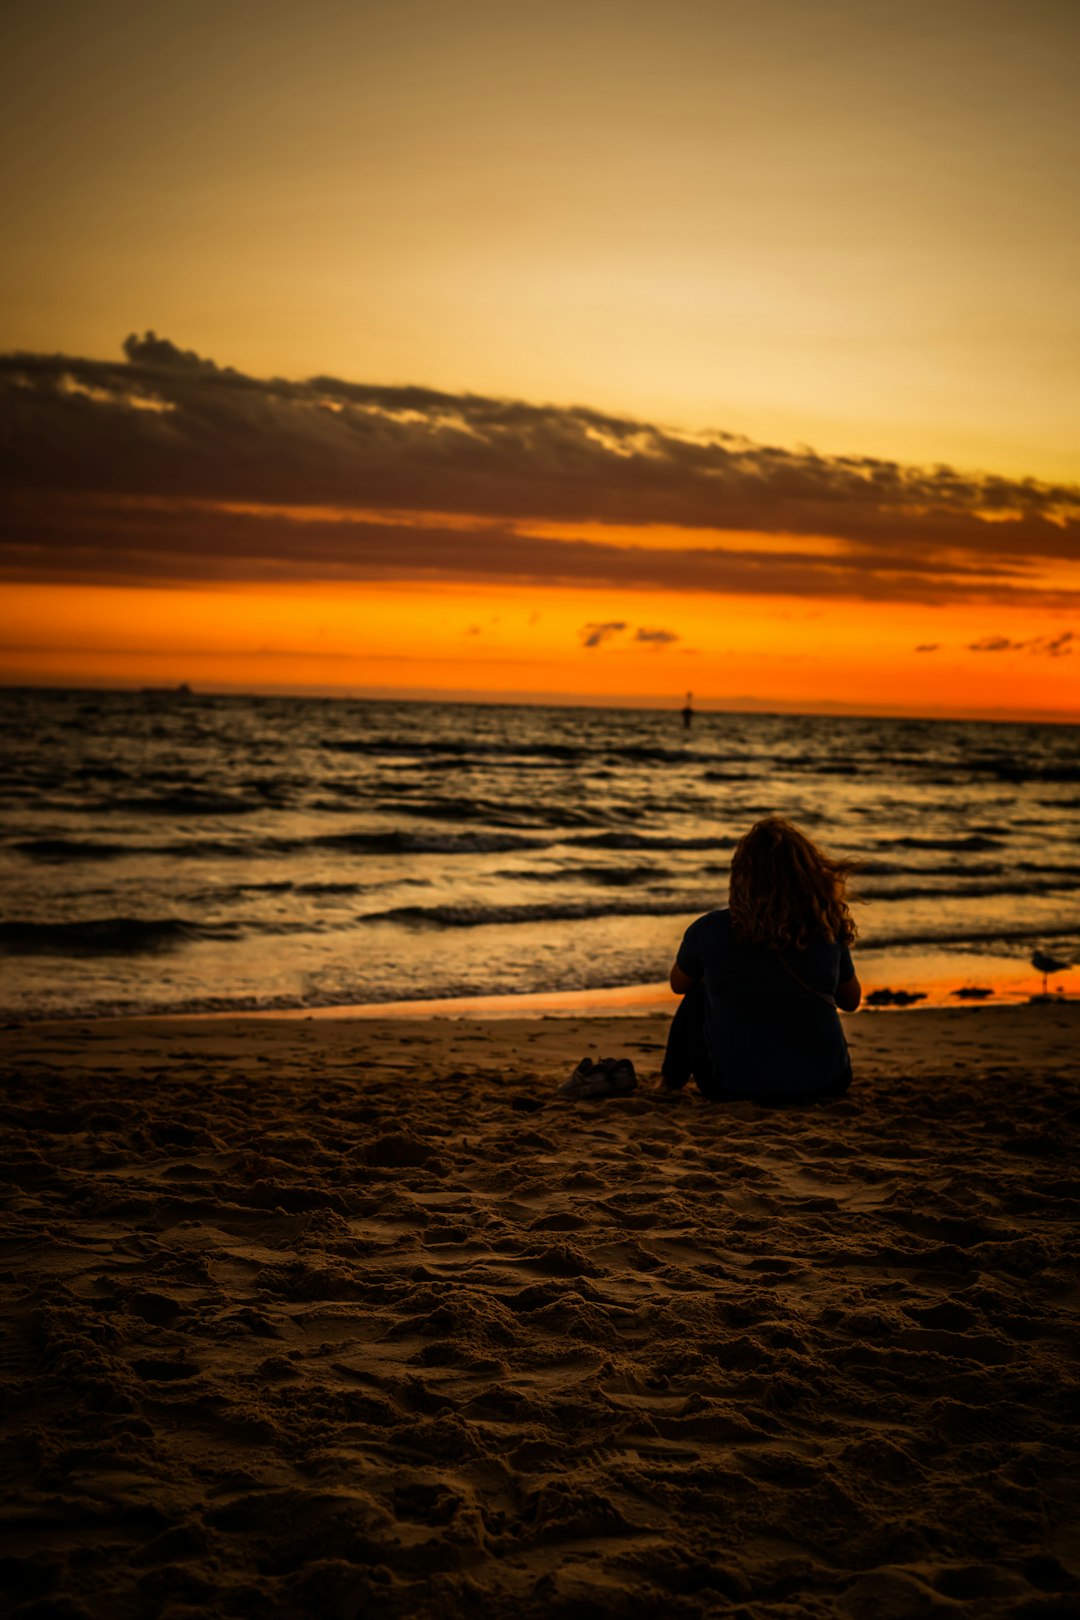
(346, 1318)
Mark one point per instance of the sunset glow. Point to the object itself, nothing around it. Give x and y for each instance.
(388, 638)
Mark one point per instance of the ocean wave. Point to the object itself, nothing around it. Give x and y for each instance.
(113, 936)
(615, 877)
(966, 871)
(130, 936)
(56, 850)
(633, 840)
(932, 767)
(871, 866)
(492, 812)
(420, 843)
(94, 771)
(454, 748)
(446, 764)
(224, 894)
(479, 842)
(975, 889)
(182, 802)
(950, 931)
(974, 842)
(831, 767)
(440, 750)
(332, 888)
(70, 849)
(658, 754)
(970, 936)
(984, 879)
(228, 894)
(473, 915)
(1013, 770)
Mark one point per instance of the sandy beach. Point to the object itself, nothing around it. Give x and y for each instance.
(347, 1318)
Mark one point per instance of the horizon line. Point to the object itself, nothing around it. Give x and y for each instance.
(743, 705)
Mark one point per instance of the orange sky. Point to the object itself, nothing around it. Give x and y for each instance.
(729, 349)
(492, 643)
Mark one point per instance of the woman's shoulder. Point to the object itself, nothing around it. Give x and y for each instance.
(715, 925)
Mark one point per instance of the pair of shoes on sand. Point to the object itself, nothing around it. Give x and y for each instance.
(611, 1077)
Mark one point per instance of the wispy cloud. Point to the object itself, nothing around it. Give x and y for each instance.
(1059, 646)
(166, 465)
(657, 638)
(994, 644)
(594, 635)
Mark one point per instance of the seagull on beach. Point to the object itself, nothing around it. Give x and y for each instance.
(1046, 965)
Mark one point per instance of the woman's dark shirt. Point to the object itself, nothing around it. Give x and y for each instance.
(770, 1036)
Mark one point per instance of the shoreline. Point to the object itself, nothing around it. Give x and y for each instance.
(1036, 1035)
(934, 988)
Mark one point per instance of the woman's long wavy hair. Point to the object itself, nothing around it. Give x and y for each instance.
(785, 891)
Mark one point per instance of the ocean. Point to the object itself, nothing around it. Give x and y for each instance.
(166, 852)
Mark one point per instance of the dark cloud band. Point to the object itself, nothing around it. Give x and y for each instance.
(116, 469)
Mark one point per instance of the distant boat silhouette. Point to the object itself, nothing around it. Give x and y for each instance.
(1046, 965)
(182, 689)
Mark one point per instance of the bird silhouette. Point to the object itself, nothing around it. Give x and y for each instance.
(1044, 964)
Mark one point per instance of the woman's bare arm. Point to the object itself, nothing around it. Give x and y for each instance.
(680, 982)
(849, 995)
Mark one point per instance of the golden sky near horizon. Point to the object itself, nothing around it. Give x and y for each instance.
(739, 232)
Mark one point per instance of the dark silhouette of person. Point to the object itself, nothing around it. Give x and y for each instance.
(761, 980)
(688, 711)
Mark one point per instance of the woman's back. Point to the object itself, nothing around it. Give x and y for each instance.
(771, 1024)
(761, 978)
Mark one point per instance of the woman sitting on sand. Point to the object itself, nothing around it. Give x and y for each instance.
(762, 980)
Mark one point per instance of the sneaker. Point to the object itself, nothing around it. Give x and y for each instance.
(621, 1075)
(611, 1077)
